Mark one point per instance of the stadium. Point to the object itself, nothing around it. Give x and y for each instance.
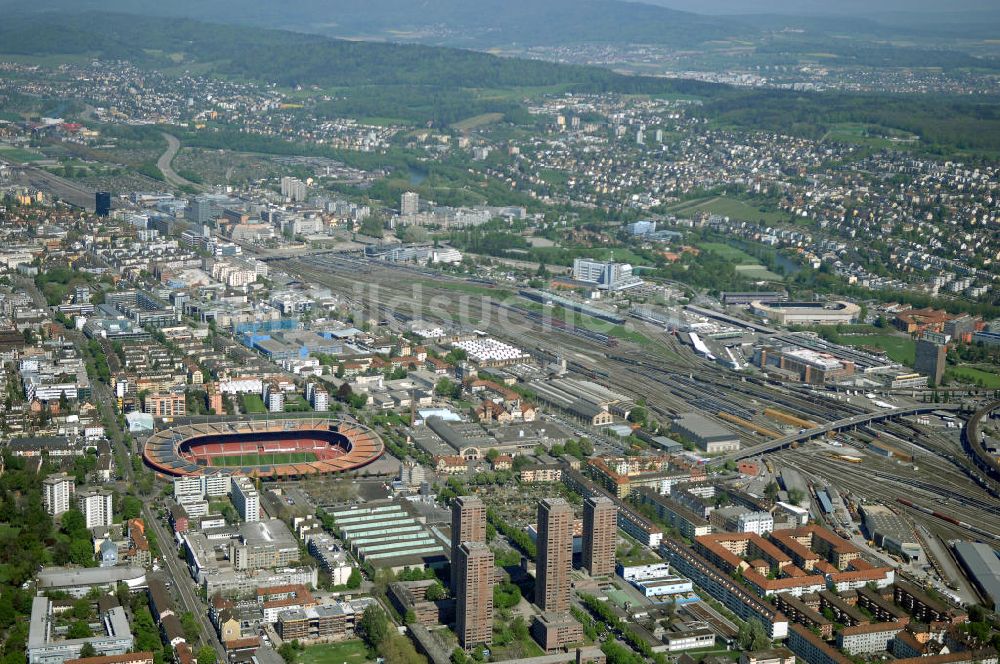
(273, 449)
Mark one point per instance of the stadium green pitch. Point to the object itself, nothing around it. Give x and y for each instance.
(237, 460)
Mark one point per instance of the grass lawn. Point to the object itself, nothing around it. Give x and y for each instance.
(733, 208)
(989, 379)
(253, 404)
(758, 272)
(263, 459)
(871, 135)
(345, 652)
(728, 252)
(297, 404)
(19, 155)
(579, 319)
(898, 347)
(701, 654)
(498, 294)
(477, 121)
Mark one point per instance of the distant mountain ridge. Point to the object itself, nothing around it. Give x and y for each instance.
(471, 23)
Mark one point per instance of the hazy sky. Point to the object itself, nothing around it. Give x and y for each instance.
(841, 7)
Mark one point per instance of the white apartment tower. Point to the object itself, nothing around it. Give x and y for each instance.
(97, 507)
(57, 491)
(246, 499)
(409, 203)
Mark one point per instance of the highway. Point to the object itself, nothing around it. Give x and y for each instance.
(165, 160)
(839, 425)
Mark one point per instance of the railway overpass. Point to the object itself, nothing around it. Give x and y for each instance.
(973, 444)
(829, 427)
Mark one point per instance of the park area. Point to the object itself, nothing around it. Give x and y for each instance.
(345, 652)
(745, 264)
(899, 348)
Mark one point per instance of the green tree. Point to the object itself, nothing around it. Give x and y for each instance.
(81, 552)
(288, 652)
(752, 636)
(73, 522)
(88, 650)
(79, 630)
(191, 627)
(373, 627)
(206, 655)
(131, 507)
(81, 608)
(435, 591)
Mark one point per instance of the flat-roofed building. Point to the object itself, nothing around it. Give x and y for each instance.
(246, 499)
(46, 646)
(555, 554)
(600, 535)
(468, 524)
(474, 597)
(57, 493)
(710, 436)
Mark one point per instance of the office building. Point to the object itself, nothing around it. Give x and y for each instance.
(409, 203)
(102, 203)
(930, 358)
(474, 607)
(555, 555)
(165, 404)
(605, 274)
(96, 506)
(57, 491)
(468, 524)
(245, 499)
(600, 529)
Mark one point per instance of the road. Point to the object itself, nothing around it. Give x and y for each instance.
(104, 398)
(167, 158)
(182, 580)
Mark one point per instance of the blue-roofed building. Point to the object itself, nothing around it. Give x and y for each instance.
(982, 563)
(109, 553)
(824, 502)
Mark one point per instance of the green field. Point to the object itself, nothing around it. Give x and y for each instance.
(758, 272)
(728, 207)
(252, 404)
(746, 265)
(989, 379)
(899, 348)
(728, 252)
(263, 459)
(19, 155)
(345, 652)
(871, 135)
(469, 124)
